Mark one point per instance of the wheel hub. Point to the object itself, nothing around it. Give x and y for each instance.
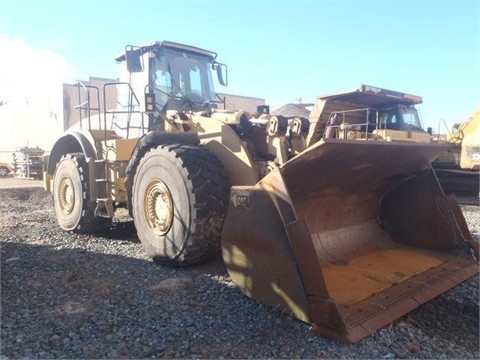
(66, 195)
(158, 207)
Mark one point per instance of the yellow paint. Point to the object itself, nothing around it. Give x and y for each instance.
(399, 135)
(291, 304)
(47, 181)
(238, 265)
(119, 149)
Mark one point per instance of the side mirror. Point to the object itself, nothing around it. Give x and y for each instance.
(222, 73)
(133, 57)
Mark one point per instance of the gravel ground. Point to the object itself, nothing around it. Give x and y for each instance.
(65, 295)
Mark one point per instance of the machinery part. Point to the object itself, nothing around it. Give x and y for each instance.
(28, 162)
(180, 199)
(72, 142)
(277, 125)
(458, 181)
(70, 195)
(458, 170)
(299, 126)
(193, 102)
(347, 236)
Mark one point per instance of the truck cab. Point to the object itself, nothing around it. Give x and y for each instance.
(368, 113)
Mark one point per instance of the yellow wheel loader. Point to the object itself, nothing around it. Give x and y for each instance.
(329, 218)
(458, 169)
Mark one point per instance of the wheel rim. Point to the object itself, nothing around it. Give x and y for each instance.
(158, 207)
(3, 172)
(66, 195)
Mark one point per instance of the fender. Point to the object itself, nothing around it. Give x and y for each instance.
(72, 142)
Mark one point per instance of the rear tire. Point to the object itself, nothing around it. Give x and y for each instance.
(70, 196)
(179, 202)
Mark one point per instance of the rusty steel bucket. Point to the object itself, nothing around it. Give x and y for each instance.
(348, 236)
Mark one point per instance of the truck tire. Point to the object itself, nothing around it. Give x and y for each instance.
(70, 188)
(179, 202)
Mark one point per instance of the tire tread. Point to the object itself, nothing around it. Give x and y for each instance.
(209, 185)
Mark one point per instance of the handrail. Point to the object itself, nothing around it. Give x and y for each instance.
(132, 97)
(446, 127)
(81, 106)
(334, 124)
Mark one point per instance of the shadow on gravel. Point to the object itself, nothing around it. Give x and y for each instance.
(124, 230)
(72, 303)
(459, 318)
(451, 323)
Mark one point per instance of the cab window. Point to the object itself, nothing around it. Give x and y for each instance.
(389, 120)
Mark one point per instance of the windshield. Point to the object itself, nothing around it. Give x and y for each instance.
(182, 75)
(411, 118)
(400, 118)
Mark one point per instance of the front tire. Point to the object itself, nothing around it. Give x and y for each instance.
(179, 202)
(70, 196)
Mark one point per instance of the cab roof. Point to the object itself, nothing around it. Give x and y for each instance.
(367, 96)
(168, 44)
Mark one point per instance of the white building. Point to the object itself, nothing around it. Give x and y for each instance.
(39, 119)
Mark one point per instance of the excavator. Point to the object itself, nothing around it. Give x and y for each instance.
(331, 219)
(458, 169)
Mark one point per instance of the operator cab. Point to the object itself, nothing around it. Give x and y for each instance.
(181, 80)
(179, 76)
(400, 117)
(162, 76)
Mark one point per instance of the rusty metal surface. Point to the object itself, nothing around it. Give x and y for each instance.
(374, 272)
(462, 225)
(373, 96)
(381, 309)
(353, 174)
(348, 236)
(258, 255)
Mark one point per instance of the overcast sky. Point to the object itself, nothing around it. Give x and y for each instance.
(277, 50)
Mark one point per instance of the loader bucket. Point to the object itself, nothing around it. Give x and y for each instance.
(348, 236)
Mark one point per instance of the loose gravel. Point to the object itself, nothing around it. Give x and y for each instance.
(69, 296)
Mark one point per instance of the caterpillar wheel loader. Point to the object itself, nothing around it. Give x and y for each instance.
(326, 218)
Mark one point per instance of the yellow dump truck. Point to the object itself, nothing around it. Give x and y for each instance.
(331, 220)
